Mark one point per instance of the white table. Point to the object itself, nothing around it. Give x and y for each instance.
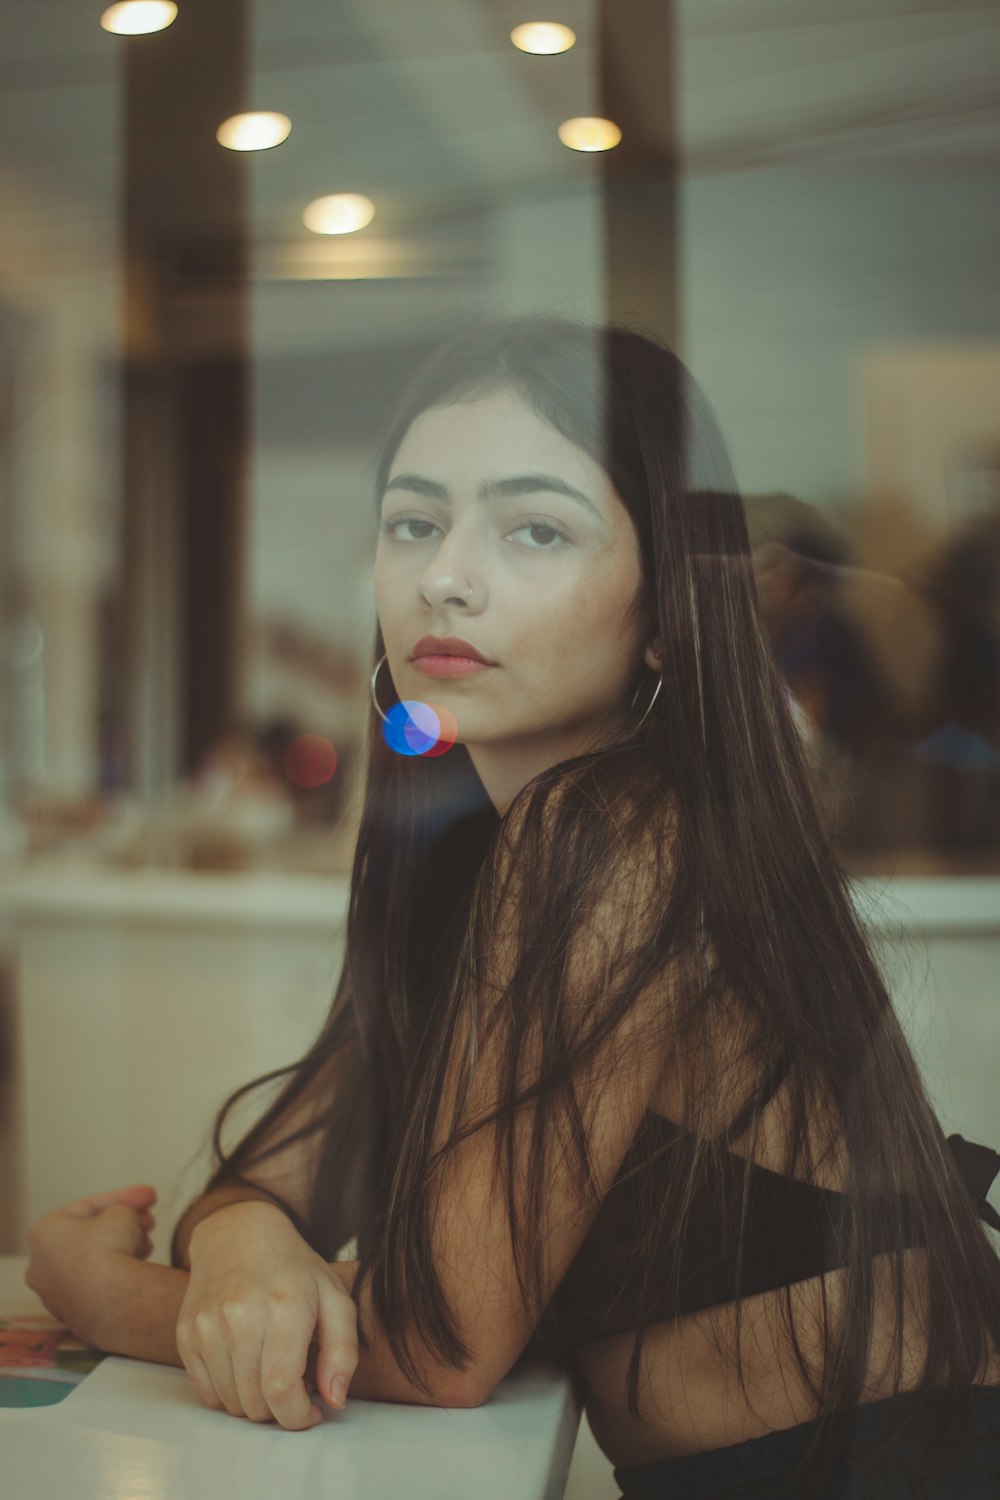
(133, 1429)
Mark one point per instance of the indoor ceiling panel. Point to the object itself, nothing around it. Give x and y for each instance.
(429, 110)
(426, 105)
(59, 120)
(494, 107)
(776, 81)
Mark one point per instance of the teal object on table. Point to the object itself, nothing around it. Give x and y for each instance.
(18, 1390)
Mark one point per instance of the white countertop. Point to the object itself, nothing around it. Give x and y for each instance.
(952, 904)
(279, 900)
(134, 1429)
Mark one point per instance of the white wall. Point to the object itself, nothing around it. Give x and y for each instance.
(790, 276)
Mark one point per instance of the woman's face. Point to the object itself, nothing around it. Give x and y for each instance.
(499, 532)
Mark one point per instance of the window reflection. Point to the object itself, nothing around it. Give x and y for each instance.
(193, 381)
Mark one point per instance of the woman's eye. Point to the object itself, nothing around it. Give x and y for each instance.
(543, 537)
(420, 530)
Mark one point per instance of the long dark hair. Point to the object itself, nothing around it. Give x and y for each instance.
(752, 923)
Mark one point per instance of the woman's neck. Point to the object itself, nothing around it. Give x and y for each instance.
(505, 767)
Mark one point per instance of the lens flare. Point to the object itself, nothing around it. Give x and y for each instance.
(395, 725)
(415, 728)
(448, 732)
(309, 761)
(423, 728)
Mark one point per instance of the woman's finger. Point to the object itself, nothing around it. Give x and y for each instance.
(309, 1377)
(283, 1363)
(136, 1196)
(201, 1380)
(219, 1368)
(122, 1224)
(245, 1363)
(213, 1360)
(337, 1333)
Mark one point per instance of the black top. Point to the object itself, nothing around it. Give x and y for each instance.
(795, 1231)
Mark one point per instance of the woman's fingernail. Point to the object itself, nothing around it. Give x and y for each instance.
(338, 1391)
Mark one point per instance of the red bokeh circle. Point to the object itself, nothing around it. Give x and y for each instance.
(449, 730)
(309, 760)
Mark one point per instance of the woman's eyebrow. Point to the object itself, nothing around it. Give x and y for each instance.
(494, 489)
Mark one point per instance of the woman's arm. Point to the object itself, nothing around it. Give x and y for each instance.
(132, 1305)
(259, 1294)
(135, 1310)
(88, 1266)
(79, 1256)
(135, 1307)
(207, 1204)
(287, 1173)
(87, 1263)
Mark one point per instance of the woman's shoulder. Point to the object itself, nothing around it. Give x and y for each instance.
(593, 798)
(594, 849)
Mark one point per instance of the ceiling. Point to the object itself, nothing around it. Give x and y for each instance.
(426, 104)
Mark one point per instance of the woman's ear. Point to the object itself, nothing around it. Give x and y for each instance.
(653, 656)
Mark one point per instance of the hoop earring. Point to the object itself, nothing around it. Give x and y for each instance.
(649, 705)
(378, 668)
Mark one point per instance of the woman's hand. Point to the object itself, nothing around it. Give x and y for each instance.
(257, 1297)
(70, 1249)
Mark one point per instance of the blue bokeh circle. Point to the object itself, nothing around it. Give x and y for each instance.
(411, 727)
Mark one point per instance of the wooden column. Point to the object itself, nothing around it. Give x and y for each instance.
(186, 396)
(636, 89)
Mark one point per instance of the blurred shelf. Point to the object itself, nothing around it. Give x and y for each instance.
(290, 900)
(262, 900)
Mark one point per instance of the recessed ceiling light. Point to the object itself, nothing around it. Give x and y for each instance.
(340, 213)
(257, 131)
(543, 37)
(589, 133)
(139, 17)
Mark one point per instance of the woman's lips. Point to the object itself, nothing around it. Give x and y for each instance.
(449, 666)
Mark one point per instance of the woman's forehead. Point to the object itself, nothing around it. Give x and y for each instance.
(494, 436)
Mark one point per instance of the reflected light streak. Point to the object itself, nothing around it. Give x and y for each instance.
(139, 17)
(22, 643)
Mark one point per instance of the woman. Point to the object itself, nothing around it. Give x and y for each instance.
(610, 1071)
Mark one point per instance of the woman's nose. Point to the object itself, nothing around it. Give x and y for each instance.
(454, 577)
